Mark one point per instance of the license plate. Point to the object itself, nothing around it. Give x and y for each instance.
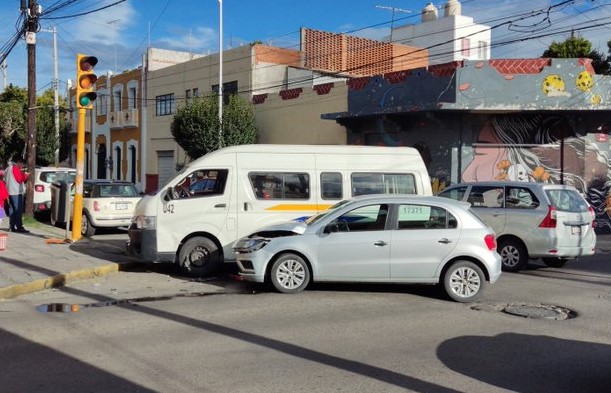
(121, 206)
(576, 230)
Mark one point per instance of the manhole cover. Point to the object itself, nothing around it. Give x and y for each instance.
(539, 311)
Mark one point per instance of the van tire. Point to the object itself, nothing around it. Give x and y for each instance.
(290, 273)
(87, 229)
(199, 257)
(513, 255)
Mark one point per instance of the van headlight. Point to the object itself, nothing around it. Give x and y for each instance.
(145, 222)
(247, 245)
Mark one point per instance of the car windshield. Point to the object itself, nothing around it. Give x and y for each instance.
(567, 200)
(322, 214)
(50, 177)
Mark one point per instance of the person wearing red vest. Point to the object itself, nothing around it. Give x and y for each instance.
(15, 178)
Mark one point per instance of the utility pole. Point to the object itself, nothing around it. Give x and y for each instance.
(55, 93)
(33, 11)
(220, 73)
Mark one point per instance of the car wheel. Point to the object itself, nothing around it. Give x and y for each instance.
(199, 257)
(464, 282)
(513, 255)
(555, 262)
(87, 229)
(290, 274)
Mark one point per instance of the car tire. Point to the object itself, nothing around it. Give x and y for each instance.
(555, 262)
(290, 274)
(513, 255)
(87, 228)
(464, 282)
(199, 257)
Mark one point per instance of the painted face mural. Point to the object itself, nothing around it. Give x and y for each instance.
(528, 148)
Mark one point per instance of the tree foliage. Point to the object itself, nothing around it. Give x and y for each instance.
(13, 126)
(574, 47)
(196, 126)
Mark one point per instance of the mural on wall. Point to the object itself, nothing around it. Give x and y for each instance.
(529, 148)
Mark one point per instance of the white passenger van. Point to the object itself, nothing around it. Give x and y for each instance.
(231, 192)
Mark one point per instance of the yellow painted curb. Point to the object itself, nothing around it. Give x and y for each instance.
(59, 280)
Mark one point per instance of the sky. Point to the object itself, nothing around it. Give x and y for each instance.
(119, 34)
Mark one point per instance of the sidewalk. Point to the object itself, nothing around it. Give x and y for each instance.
(29, 264)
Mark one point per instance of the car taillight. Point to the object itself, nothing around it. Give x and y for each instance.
(490, 241)
(39, 188)
(593, 214)
(550, 219)
(96, 206)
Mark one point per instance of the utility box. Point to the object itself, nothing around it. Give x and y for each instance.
(60, 202)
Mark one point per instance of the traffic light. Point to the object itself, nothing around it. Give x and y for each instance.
(85, 80)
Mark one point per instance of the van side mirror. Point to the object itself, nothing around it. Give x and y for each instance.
(169, 194)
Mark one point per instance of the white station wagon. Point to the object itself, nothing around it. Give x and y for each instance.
(377, 238)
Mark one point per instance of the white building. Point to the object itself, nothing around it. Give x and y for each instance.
(453, 37)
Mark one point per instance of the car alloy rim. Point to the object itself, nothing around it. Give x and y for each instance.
(465, 282)
(290, 274)
(510, 256)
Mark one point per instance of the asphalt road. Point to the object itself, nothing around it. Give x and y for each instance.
(155, 330)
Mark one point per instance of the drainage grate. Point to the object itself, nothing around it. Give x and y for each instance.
(539, 311)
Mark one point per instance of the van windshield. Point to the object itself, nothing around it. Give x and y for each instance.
(567, 200)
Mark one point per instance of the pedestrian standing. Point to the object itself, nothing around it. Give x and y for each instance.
(3, 200)
(15, 178)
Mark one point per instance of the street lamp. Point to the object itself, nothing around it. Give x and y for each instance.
(220, 73)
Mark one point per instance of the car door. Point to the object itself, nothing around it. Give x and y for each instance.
(487, 201)
(422, 238)
(358, 249)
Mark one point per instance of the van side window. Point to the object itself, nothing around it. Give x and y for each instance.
(382, 183)
(520, 198)
(331, 185)
(275, 185)
(201, 183)
(486, 196)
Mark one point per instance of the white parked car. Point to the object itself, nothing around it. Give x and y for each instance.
(108, 204)
(377, 238)
(43, 178)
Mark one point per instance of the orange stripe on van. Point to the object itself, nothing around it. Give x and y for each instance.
(299, 207)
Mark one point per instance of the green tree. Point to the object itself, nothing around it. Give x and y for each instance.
(46, 139)
(196, 127)
(574, 47)
(13, 104)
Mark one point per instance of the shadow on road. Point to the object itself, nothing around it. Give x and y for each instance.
(530, 364)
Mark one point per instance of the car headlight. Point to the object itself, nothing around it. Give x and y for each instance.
(145, 222)
(247, 244)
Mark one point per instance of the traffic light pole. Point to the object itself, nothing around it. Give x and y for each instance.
(77, 207)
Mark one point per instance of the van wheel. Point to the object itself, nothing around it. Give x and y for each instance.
(464, 282)
(513, 255)
(290, 274)
(87, 229)
(555, 262)
(199, 257)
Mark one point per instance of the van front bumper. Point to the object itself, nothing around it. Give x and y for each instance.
(142, 244)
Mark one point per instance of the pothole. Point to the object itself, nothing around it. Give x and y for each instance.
(534, 311)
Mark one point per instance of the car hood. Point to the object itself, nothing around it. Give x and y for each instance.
(289, 226)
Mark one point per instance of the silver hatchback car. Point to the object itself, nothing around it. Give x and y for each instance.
(531, 220)
(377, 238)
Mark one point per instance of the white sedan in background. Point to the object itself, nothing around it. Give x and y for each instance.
(377, 238)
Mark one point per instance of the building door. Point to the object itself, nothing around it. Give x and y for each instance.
(102, 161)
(166, 168)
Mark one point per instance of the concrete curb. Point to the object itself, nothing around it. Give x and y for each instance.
(61, 279)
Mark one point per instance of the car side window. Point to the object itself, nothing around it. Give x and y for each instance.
(413, 216)
(366, 218)
(486, 196)
(520, 198)
(457, 193)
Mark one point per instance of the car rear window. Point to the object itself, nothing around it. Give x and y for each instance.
(567, 200)
(50, 177)
(117, 190)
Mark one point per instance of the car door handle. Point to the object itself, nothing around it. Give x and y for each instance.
(444, 241)
(380, 243)
(221, 205)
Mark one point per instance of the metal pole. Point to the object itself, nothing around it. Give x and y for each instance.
(78, 181)
(56, 96)
(220, 73)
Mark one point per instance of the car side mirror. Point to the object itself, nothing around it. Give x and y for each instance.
(332, 227)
